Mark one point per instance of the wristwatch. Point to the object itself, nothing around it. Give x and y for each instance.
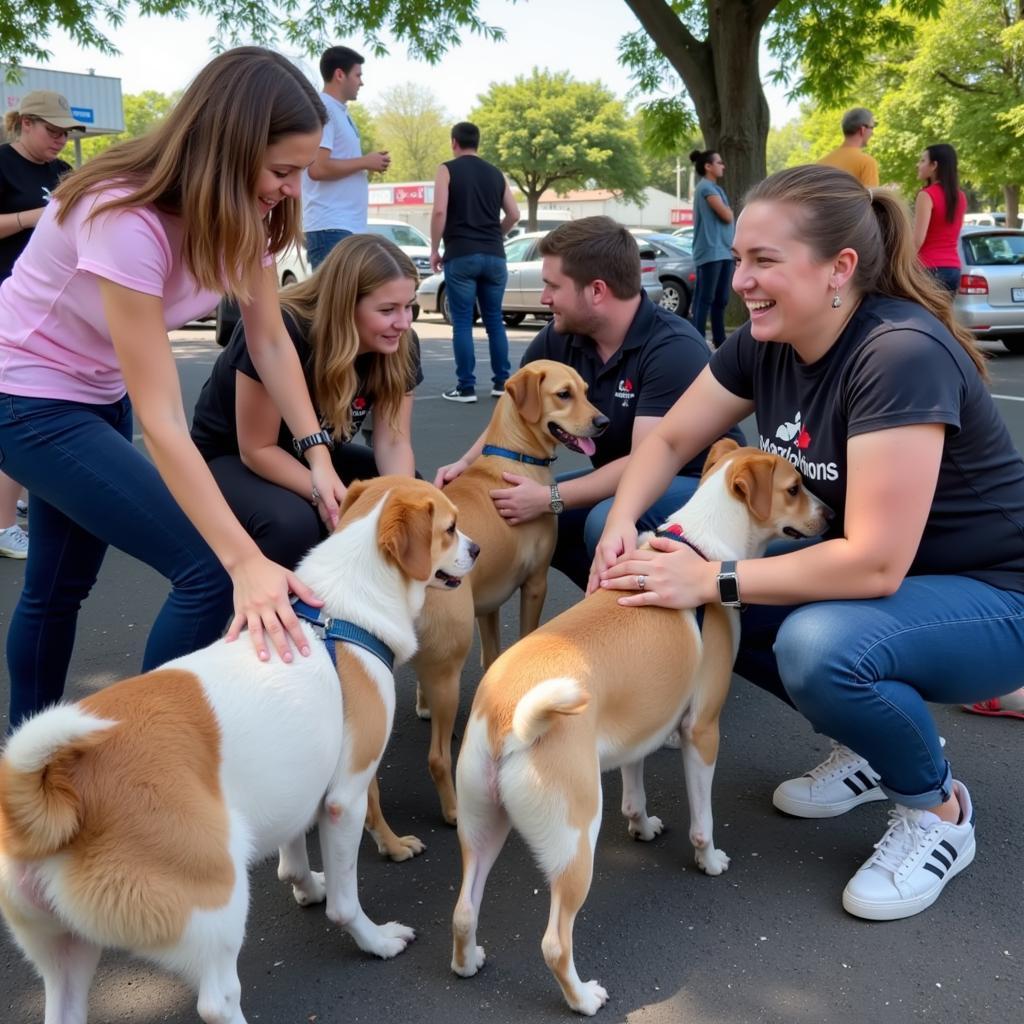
(303, 444)
(729, 586)
(556, 504)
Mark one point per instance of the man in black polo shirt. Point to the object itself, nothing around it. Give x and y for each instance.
(637, 359)
(473, 211)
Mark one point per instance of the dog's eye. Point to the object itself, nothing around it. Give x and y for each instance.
(793, 491)
(564, 393)
(451, 530)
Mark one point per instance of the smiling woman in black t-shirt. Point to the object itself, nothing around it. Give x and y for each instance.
(350, 322)
(858, 375)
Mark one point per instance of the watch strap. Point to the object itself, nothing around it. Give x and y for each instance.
(303, 444)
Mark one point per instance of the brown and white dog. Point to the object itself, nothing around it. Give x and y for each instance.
(130, 818)
(544, 405)
(566, 703)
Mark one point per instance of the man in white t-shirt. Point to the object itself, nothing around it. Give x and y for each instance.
(335, 192)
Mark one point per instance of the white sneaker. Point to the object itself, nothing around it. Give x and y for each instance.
(14, 542)
(841, 782)
(22, 507)
(912, 862)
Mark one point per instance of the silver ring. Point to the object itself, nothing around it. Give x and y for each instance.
(641, 583)
(316, 495)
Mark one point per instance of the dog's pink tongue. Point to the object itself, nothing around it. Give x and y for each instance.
(587, 445)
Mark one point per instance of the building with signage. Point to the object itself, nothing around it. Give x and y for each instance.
(95, 99)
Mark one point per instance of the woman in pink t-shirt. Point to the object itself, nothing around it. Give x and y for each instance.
(142, 239)
(939, 215)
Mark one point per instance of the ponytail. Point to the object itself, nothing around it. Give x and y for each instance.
(12, 123)
(836, 212)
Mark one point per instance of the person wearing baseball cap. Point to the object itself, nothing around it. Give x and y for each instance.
(29, 172)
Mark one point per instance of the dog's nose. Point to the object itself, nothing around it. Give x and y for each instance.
(474, 550)
(600, 422)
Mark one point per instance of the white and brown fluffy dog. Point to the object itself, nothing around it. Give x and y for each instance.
(600, 687)
(130, 818)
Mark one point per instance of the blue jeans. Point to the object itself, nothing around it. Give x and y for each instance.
(948, 277)
(320, 243)
(573, 558)
(712, 293)
(862, 671)
(91, 487)
(477, 280)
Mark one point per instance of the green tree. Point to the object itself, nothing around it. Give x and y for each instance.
(141, 112)
(787, 146)
(414, 128)
(546, 131)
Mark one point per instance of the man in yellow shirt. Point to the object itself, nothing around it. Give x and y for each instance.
(858, 126)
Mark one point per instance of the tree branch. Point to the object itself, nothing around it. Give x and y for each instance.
(683, 50)
(963, 86)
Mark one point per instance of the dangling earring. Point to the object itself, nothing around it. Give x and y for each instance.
(837, 299)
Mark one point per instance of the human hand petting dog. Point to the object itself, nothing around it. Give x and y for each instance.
(328, 492)
(672, 575)
(616, 542)
(446, 474)
(262, 605)
(526, 499)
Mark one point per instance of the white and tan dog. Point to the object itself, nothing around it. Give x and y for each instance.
(600, 687)
(544, 405)
(130, 818)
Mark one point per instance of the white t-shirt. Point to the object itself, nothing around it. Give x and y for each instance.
(342, 203)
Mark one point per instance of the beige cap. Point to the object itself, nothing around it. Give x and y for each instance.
(50, 107)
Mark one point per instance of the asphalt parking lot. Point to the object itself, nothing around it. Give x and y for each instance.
(767, 941)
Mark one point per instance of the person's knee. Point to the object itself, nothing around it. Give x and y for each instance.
(808, 651)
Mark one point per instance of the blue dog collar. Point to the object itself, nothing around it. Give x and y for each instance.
(331, 630)
(507, 453)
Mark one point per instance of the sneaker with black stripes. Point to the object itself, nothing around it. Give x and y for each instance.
(912, 862)
(841, 782)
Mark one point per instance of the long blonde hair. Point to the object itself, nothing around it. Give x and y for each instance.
(835, 211)
(203, 161)
(325, 306)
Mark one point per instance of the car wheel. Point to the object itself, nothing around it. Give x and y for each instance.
(442, 303)
(1014, 344)
(288, 278)
(513, 319)
(674, 297)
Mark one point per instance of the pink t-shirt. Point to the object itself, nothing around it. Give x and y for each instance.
(54, 338)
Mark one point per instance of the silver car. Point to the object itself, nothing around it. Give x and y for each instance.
(524, 287)
(990, 300)
(676, 271)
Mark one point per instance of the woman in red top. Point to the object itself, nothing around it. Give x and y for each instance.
(939, 215)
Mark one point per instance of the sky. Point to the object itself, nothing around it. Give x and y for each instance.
(163, 54)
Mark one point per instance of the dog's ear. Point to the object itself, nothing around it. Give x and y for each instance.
(405, 532)
(722, 447)
(752, 482)
(524, 388)
(351, 494)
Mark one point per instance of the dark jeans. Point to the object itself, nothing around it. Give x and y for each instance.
(477, 280)
(948, 277)
(712, 293)
(320, 243)
(91, 487)
(284, 524)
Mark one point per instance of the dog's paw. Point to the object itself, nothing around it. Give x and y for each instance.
(646, 829)
(711, 861)
(591, 998)
(311, 892)
(673, 741)
(473, 963)
(390, 940)
(400, 848)
(422, 708)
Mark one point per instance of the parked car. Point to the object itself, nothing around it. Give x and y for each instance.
(676, 270)
(293, 266)
(990, 300)
(545, 222)
(522, 293)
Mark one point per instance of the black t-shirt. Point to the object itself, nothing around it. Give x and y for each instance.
(472, 222)
(24, 185)
(660, 357)
(894, 365)
(214, 430)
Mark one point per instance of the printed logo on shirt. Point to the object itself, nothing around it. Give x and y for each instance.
(625, 391)
(46, 194)
(796, 432)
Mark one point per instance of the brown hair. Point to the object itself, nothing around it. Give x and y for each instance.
(203, 161)
(596, 248)
(325, 306)
(12, 123)
(835, 211)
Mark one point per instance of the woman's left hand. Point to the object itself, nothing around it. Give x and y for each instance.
(673, 575)
(328, 493)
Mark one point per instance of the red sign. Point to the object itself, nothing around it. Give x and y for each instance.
(682, 216)
(410, 195)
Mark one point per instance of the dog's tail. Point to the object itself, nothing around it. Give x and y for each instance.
(535, 712)
(40, 808)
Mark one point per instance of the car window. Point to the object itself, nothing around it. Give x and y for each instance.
(516, 250)
(400, 234)
(993, 250)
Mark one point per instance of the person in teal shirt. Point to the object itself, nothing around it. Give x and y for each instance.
(712, 244)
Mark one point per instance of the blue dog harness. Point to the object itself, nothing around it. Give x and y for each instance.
(507, 453)
(332, 630)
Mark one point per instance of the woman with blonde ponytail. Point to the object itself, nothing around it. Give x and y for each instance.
(140, 240)
(860, 377)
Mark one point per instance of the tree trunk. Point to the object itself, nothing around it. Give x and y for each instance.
(1012, 195)
(532, 201)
